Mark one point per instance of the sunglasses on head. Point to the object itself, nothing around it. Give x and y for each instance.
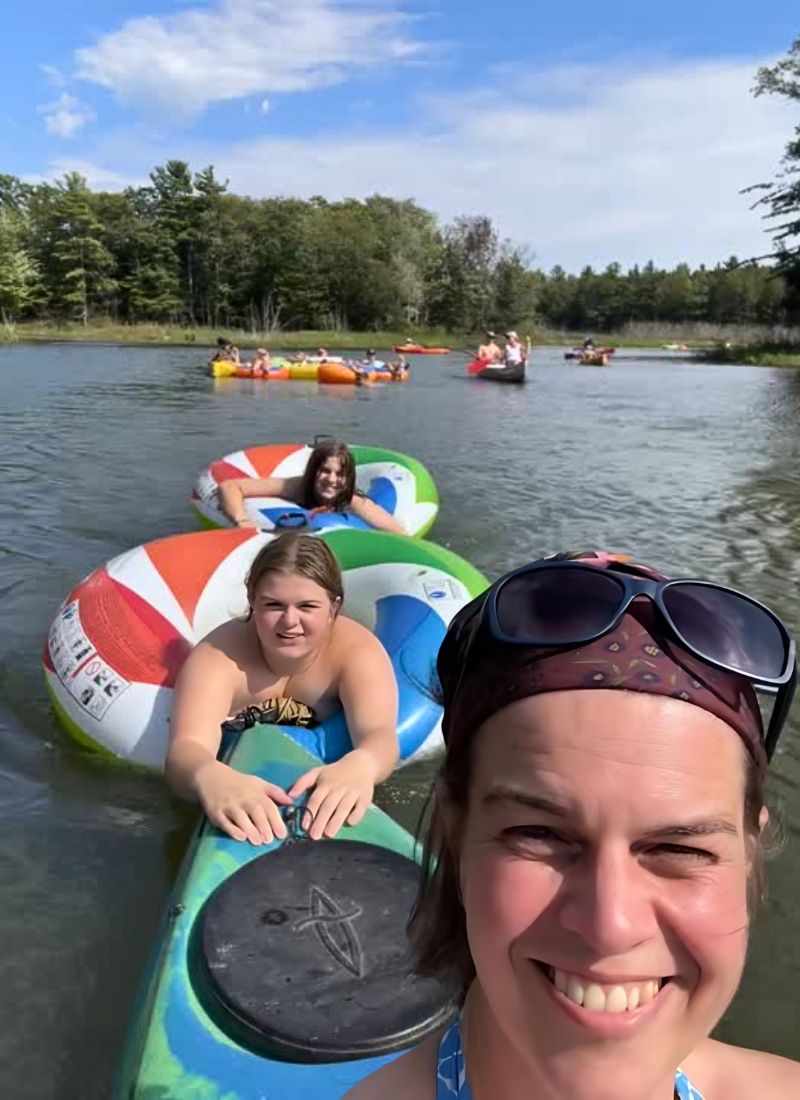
(570, 603)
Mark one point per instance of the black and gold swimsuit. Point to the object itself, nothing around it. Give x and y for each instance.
(280, 711)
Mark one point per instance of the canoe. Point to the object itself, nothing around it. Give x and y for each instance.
(282, 971)
(119, 640)
(400, 484)
(420, 349)
(499, 372)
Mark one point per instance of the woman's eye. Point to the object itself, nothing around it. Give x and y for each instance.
(533, 832)
(681, 851)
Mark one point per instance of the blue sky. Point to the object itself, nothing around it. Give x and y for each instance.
(590, 132)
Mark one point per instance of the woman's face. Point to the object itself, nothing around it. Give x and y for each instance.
(330, 479)
(603, 868)
(293, 615)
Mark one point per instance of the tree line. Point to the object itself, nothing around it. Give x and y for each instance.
(184, 250)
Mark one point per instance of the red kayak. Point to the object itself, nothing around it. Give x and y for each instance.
(420, 349)
(576, 353)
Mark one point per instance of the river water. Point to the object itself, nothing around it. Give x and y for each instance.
(693, 467)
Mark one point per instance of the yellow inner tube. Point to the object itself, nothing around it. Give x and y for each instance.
(222, 368)
(304, 372)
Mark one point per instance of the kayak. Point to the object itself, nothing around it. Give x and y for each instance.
(401, 485)
(497, 372)
(119, 640)
(420, 349)
(593, 359)
(578, 353)
(282, 971)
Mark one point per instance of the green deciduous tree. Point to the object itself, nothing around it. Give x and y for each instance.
(183, 249)
(19, 273)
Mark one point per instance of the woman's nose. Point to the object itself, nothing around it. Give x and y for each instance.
(608, 902)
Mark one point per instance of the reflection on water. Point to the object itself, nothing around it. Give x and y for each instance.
(693, 467)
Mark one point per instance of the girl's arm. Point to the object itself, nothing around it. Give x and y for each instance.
(374, 515)
(232, 493)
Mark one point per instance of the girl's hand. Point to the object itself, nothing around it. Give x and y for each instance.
(243, 806)
(341, 793)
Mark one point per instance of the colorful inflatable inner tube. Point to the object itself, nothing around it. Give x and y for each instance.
(276, 372)
(398, 483)
(387, 376)
(120, 638)
(326, 922)
(336, 374)
(271, 374)
(303, 372)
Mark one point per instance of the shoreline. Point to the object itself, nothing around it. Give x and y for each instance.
(152, 335)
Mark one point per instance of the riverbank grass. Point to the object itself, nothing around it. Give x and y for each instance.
(108, 332)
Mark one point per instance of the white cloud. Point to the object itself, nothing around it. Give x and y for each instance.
(234, 48)
(65, 116)
(54, 75)
(264, 107)
(632, 164)
(97, 177)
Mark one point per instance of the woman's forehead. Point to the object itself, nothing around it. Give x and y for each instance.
(610, 742)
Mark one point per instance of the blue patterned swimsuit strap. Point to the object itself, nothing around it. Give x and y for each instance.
(451, 1074)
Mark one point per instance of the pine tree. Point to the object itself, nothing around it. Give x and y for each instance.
(80, 262)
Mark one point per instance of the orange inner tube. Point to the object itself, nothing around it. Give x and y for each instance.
(272, 374)
(336, 374)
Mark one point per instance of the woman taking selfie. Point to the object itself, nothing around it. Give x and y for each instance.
(594, 854)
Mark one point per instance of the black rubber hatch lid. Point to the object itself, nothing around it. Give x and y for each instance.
(302, 954)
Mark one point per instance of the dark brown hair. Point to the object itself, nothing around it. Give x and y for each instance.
(438, 927)
(323, 450)
(303, 555)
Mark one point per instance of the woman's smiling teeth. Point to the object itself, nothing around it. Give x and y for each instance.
(594, 997)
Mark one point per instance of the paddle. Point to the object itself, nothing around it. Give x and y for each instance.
(477, 365)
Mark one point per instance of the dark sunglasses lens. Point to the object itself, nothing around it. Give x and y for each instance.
(728, 629)
(557, 606)
(291, 520)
